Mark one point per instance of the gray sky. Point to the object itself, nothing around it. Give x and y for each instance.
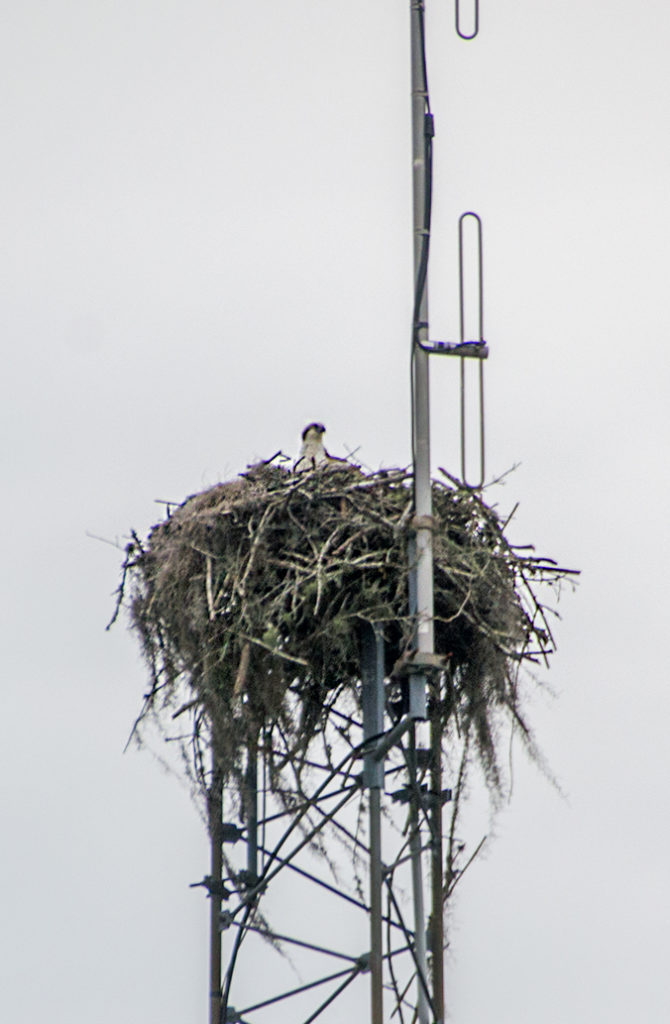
(207, 243)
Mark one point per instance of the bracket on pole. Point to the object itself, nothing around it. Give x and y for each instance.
(464, 349)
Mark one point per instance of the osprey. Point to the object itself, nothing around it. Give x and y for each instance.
(312, 453)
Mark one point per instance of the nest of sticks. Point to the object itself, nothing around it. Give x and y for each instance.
(249, 599)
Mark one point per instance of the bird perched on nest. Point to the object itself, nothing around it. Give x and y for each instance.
(313, 452)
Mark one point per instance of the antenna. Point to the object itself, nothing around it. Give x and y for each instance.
(273, 610)
(420, 552)
(277, 839)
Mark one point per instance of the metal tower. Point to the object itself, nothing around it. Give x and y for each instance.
(375, 803)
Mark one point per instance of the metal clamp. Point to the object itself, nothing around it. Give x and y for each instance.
(465, 349)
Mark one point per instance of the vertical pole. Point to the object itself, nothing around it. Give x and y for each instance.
(437, 910)
(372, 677)
(251, 796)
(420, 376)
(422, 548)
(215, 808)
(417, 890)
(376, 961)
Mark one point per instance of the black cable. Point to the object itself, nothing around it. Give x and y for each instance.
(422, 273)
(424, 63)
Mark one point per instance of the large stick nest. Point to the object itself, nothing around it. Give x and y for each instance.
(249, 598)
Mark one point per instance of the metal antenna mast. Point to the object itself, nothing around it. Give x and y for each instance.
(279, 841)
(422, 134)
(425, 662)
(421, 551)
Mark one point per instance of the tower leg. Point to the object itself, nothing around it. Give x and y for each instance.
(372, 676)
(422, 1001)
(216, 868)
(251, 797)
(437, 885)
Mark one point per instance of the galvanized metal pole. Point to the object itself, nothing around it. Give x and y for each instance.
(423, 506)
(215, 809)
(251, 799)
(422, 1005)
(436, 861)
(422, 548)
(376, 960)
(372, 677)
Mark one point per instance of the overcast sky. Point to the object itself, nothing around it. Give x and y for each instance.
(206, 228)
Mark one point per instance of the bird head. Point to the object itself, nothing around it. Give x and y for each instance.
(313, 432)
